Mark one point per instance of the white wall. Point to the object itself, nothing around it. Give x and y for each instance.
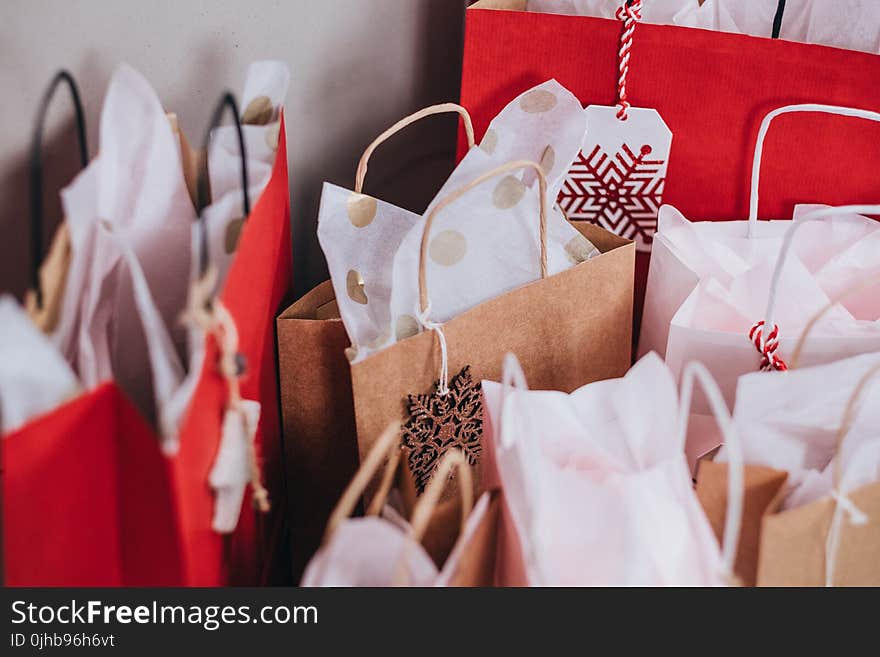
(356, 65)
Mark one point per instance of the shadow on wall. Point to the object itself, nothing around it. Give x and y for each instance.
(407, 170)
(60, 154)
(60, 158)
(60, 165)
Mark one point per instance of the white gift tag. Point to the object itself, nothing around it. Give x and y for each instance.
(617, 179)
(231, 472)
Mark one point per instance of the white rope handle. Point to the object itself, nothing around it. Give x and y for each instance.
(843, 505)
(762, 133)
(697, 372)
(423, 317)
(512, 377)
(815, 215)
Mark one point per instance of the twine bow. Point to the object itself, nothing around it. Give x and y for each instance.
(767, 347)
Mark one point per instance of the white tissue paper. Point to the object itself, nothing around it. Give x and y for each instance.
(790, 421)
(597, 485)
(849, 24)
(132, 192)
(135, 246)
(660, 12)
(482, 245)
(34, 378)
(704, 309)
(265, 89)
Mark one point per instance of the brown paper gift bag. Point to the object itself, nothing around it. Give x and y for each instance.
(466, 554)
(475, 561)
(318, 416)
(316, 405)
(567, 330)
(793, 547)
(384, 550)
(320, 439)
(762, 497)
(834, 541)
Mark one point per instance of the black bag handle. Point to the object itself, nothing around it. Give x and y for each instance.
(227, 101)
(777, 19)
(36, 168)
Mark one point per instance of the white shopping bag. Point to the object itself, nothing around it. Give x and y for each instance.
(595, 484)
(792, 422)
(711, 283)
(136, 245)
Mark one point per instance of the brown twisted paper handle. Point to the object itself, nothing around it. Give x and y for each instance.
(387, 445)
(842, 503)
(457, 194)
(443, 108)
(427, 504)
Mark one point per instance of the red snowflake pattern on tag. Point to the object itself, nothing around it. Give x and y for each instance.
(622, 193)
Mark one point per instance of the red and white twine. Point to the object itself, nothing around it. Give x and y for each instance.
(767, 347)
(630, 13)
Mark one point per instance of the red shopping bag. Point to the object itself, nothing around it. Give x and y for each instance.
(65, 526)
(711, 89)
(257, 284)
(88, 497)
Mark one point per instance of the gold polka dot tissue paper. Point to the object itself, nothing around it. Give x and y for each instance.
(484, 243)
(265, 89)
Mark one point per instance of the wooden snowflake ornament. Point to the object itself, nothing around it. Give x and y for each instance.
(438, 422)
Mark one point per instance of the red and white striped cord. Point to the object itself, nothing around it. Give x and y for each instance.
(630, 13)
(767, 348)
